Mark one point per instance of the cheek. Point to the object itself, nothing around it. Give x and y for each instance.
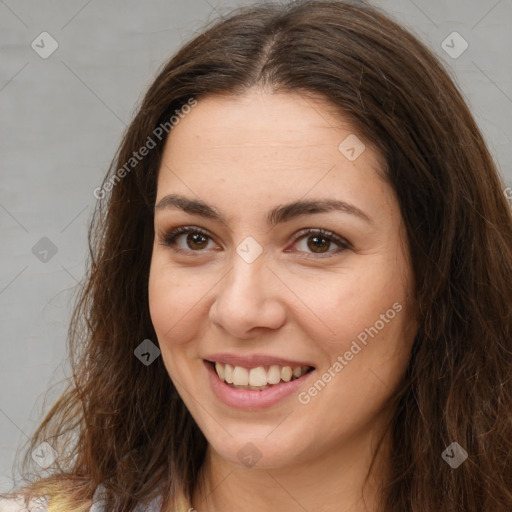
(173, 303)
(342, 306)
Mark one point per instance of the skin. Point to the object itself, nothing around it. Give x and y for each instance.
(245, 155)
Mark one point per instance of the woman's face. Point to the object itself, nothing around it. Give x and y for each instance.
(249, 287)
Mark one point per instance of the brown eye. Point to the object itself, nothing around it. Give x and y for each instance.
(318, 243)
(314, 241)
(195, 240)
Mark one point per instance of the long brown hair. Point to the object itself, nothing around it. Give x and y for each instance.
(122, 424)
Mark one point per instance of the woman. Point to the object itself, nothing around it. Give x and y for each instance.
(299, 290)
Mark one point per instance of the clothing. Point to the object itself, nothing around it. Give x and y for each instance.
(97, 504)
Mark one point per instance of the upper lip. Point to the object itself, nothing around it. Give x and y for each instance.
(255, 360)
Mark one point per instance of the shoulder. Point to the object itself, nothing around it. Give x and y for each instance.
(17, 503)
(41, 505)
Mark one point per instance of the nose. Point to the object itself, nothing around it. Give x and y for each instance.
(249, 298)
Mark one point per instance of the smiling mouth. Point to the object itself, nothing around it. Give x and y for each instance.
(258, 378)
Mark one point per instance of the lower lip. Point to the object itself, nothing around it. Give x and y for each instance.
(248, 399)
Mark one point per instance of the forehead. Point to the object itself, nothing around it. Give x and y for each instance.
(268, 146)
(260, 119)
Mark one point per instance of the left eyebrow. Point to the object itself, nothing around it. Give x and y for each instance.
(278, 215)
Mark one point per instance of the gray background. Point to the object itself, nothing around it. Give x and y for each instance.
(61, 121)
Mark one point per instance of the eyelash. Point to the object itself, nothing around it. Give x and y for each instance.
(169, 239)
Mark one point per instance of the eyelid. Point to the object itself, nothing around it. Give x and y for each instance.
(167, 238)
(324, 232)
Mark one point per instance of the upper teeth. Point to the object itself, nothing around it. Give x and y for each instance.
(260, 376)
